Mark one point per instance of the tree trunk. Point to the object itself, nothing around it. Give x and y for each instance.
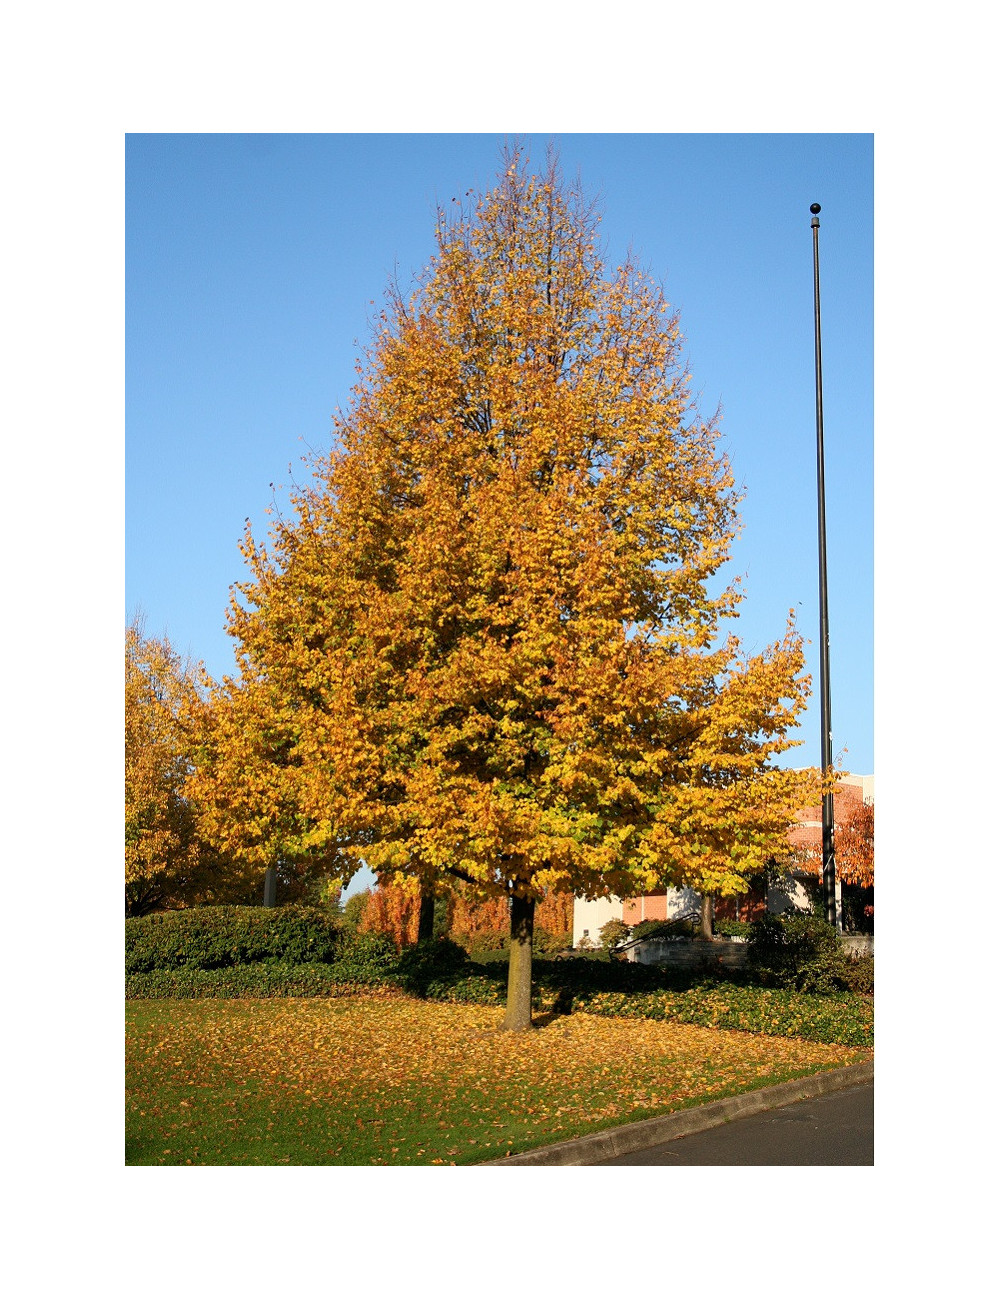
(522, 925)
(425, 925)
(705, 926)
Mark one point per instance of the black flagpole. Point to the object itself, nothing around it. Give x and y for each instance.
(829, 861)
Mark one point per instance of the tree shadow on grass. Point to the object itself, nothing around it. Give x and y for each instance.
(561, 1007)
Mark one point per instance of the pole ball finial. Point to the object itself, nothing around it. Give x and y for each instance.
(814, 208)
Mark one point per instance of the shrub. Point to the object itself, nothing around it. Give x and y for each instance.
(484, 957)
(476, 986)
(781, 1012)
(804, 952)
(440, 971)
(430, 963)
(212, 938)
(613, 933)
(358, 961)
(679, 929)
(859, 974)
(393, 909)
(732, 929)
(545, 943)
(366, 958)
(484, 944)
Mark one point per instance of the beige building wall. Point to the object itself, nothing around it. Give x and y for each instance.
(590, 914)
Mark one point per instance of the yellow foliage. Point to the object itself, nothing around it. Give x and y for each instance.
(168, 860)
(161, 848)
(486, 643)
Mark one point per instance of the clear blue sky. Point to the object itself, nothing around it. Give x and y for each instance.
(253, 261)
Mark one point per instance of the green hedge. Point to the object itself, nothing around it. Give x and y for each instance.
(366, 959)
(261, 980)
(215, 938)
(441, 970)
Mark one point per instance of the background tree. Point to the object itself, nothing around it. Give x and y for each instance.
(614, 932)
(486, 644)
(167, 862)
(477, 923)
(354, 909)
(393, 909)
(855, 845)
(161, 853)
(854, 840)
(484, 924)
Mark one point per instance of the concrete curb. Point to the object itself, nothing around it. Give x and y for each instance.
(665, 1128)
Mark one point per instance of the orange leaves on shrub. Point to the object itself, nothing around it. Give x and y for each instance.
(471, 919)
(393, 909)
(855, 846)
(554, 912)
(853, 836)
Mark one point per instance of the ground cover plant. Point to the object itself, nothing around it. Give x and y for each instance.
(389, 1079)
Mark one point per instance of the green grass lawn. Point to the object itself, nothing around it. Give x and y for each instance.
(395, 1080)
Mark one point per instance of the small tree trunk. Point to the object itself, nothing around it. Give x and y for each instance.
(522, 926)
(425, 925)
(705, 925)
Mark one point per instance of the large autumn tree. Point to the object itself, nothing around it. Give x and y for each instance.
(486, 643)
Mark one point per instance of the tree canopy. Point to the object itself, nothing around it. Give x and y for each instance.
(487, 642)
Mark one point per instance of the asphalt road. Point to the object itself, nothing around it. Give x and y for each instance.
(836, 1129)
